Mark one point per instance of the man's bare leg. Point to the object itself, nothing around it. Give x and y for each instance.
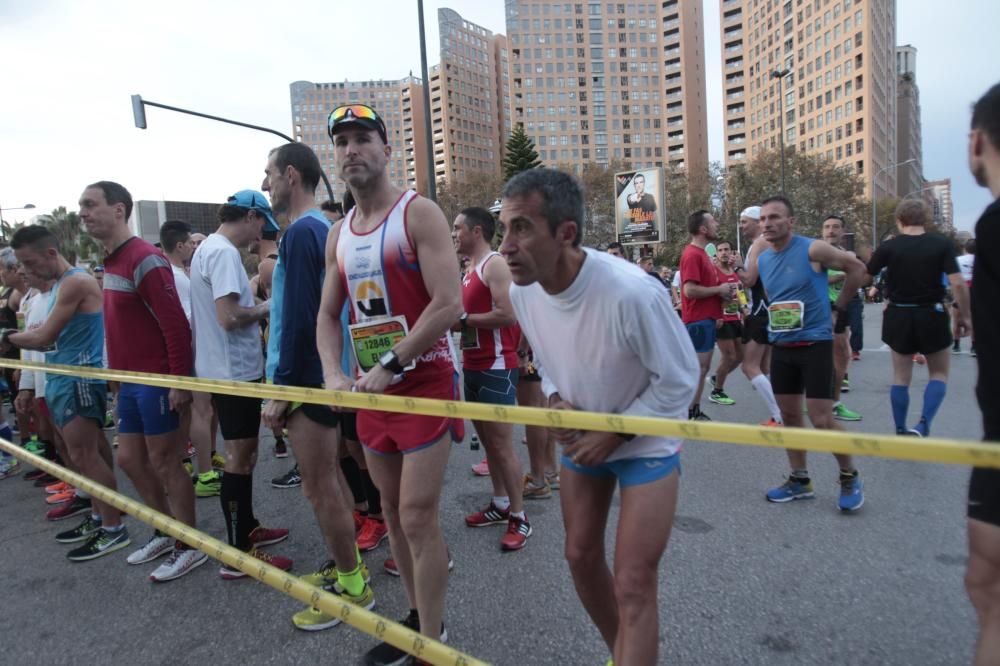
(166, 455)
(315, 448)
(586, 501)
(411, 491)
(133, 458)
(644, 523)
(982, 582)
(80, 435)
(505, 467)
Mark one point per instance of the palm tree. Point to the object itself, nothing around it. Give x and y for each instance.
(67, 227)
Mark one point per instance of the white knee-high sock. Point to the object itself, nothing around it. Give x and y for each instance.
(762, 385)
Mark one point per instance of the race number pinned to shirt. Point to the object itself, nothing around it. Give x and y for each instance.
(470, 337)
(785, 316)
(373, 338)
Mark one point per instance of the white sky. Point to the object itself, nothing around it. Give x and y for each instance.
(69, 68)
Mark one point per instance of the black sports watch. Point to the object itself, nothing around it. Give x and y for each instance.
(390, 361)
(463, 319)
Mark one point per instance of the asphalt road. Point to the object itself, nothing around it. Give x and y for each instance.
(743, 581)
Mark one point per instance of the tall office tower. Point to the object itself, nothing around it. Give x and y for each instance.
(910, 179)
(838, 97)
(466, 116)
(600, 81)
(938, 195)
(399, 102)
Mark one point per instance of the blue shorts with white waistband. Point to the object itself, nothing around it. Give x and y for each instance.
(630, 471)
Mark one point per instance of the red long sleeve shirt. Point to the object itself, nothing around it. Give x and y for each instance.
(144, 324)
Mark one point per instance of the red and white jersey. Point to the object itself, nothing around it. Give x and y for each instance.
(382, 278)
(485, 348)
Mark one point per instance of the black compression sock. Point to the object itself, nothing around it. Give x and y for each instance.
(349, 466)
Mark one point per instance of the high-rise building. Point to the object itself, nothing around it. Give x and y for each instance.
(399, 102)
(910, 179)
(467, 114)
(838, 98)
(938, 195)
(148, 216)
(599, 81)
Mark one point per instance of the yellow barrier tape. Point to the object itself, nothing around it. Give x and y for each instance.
(903, 448)
(425, 648)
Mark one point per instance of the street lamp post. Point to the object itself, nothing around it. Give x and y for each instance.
(429, 157)
(874, 177)
(780, 74)
(139, 115)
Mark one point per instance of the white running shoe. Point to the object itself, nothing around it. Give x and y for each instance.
(154, 548)
(179, 563)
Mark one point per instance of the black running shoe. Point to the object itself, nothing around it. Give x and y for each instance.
(292, 479)
(385, 654)
(101, 543)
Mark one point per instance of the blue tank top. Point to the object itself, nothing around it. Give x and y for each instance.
(81, 342)
(799, 307)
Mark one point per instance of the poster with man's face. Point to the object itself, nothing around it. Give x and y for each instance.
(638, 217)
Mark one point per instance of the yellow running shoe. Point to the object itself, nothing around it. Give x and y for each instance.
(313, 619)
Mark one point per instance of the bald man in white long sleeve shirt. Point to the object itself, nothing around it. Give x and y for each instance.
(607, 340)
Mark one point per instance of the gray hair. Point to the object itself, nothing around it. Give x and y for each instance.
(7, 258)
(562, 196)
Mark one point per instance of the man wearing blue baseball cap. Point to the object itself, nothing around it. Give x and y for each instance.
(224, 318)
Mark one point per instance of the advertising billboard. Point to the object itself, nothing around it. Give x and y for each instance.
(639, 215)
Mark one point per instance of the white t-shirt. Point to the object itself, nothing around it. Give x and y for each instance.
(35, 306)
(183, 283)
(965, 264)
(217, 271)
(611, 342)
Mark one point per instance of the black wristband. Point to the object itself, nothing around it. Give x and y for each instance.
(627, 437)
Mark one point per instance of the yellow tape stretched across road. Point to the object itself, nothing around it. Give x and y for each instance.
(372, 624)
(865, 444)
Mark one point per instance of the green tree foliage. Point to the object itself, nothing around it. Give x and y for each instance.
(816, 186)
(520, 154)
(68, 228)
(477, 189)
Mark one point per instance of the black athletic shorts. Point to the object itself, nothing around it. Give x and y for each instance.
(984, 495)
(730, 330)
(755, 329)
(809, 368)
(984, 485)
(239, 416)
(912, 330)
(349, 426)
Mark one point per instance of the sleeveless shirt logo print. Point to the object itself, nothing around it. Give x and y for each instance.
(370, 300)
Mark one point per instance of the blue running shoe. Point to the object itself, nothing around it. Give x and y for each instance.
(790, 490)
(851, 495)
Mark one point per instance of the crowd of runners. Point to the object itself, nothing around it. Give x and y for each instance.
(362, 296)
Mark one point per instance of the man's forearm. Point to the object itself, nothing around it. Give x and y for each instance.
(240, 316)
(492, 319)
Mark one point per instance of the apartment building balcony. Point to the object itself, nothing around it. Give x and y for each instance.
(674, 138)
(734, 64)
(732, 15)
(737, 140)
(734, 48)
(737, 94)
(733, 34)
(675, 123)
